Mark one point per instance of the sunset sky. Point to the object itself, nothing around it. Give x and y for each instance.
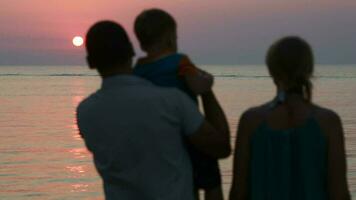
(39, 32)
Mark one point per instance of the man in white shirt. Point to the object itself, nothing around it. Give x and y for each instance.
(137, 131)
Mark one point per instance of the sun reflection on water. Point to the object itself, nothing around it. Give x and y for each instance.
(79, 187)
(76, 169)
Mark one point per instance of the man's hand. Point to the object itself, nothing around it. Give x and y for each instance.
(200, 83)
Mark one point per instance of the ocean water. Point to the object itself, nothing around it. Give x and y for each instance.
(43, 157)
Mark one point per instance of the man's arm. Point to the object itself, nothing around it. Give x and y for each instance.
(213, 137)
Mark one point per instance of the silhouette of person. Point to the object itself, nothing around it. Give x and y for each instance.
(136, 130)
(164, 66)
(290, 148)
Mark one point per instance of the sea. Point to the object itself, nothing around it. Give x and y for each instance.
(43, 157)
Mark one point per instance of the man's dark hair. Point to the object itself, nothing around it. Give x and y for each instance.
(152, 25)
(107, 45)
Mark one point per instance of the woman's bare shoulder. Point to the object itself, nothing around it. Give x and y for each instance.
(255, 113)
(254, 116)
(325, 115)
(328, 119)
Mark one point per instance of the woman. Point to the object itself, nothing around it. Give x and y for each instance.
(290, 148)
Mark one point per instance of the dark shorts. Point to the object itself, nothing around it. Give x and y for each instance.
(206, 172)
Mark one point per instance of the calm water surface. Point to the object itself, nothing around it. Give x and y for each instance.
(43, 157)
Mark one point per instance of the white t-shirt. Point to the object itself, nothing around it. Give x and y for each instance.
(136, 132)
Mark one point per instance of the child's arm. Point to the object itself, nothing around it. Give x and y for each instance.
(188, 71)
(187, 67)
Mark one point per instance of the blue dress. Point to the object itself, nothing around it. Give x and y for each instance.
(289, 164)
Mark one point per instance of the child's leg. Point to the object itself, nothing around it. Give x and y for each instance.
(207, 176)
(214, 194)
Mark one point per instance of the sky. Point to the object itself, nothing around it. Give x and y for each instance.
(39, 32)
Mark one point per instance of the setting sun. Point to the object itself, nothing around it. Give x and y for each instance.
(78, 41)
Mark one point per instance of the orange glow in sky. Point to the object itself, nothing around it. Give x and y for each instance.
(214, 32)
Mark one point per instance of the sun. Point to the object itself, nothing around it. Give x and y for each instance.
(78, 41)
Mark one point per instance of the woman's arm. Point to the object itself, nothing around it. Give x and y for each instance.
(337, 168)
(240, 186)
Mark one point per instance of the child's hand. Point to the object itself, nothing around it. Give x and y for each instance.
(200, 83)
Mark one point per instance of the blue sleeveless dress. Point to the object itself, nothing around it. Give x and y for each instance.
(289, 164)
